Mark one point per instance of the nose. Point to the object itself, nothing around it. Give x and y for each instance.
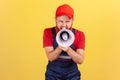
(64, 24)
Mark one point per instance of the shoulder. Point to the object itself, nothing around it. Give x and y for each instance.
(48, 30)
(78, 32)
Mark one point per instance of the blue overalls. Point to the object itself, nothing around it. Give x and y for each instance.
(62, 69)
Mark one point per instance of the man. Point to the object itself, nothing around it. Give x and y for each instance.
(63, 68)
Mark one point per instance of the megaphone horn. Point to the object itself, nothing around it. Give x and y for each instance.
(65, 37)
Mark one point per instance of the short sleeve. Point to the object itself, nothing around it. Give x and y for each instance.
(47, 38)
(80, 40)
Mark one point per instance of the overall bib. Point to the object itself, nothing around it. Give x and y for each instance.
(62, 68)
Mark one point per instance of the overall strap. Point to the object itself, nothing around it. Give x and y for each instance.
(73, 30)
(53, 32)
(54, 37)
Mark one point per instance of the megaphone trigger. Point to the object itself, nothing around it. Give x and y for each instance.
(65, 38)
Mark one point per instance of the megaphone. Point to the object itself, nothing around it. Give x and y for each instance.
(65, 37)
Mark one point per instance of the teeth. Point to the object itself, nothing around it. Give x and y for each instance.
(63, 28)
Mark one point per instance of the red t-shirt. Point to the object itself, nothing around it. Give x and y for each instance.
(79, 42)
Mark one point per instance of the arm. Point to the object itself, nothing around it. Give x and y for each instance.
(77, 56)
(52, 53)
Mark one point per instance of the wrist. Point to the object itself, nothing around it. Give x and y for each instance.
(68, 49)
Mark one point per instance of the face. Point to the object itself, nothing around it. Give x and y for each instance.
(64, 22)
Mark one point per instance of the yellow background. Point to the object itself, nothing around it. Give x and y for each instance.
(22, 22)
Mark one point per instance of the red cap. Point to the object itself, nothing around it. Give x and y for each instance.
(65, 10)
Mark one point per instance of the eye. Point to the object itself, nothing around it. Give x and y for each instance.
(60, 21)
(67, 21)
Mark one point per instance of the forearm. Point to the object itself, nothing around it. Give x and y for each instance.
(76, 57)
(53, 55)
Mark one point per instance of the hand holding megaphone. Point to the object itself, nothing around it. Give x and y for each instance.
(65, 37)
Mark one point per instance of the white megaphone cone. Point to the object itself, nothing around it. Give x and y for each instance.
(65, 37)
